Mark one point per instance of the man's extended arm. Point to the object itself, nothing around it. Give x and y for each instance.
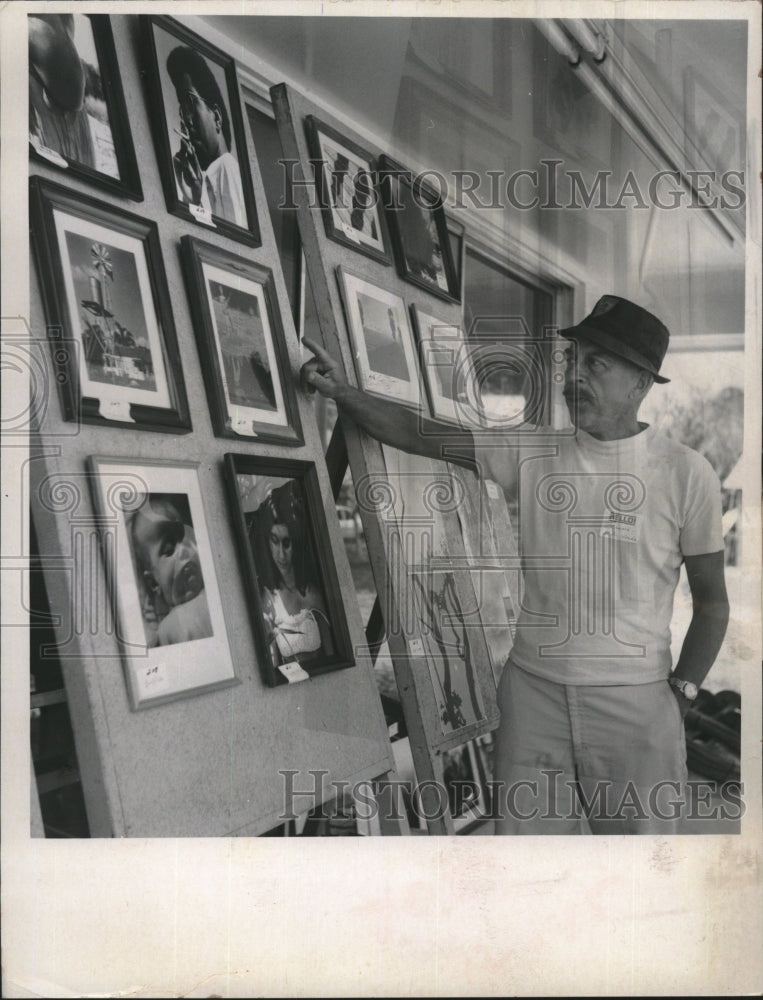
(383, 419)
(710, 616)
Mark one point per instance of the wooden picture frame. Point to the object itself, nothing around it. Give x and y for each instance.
(199, 134)
(353, 217)
(444, 363)
(296, 605)
(107, 306)
(381, 339)
(162, 580)
(91, 141)
(242, 345)
(419, 231)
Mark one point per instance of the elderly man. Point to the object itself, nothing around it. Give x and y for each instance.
(591, 713)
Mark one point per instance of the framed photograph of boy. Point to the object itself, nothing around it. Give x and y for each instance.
(346, 181)
(77, 114)
(107, 306)
(296, 604)
(381, 339)
(444, 362)
(161, 572)
(419, 231)
(241, 344)
(198, 129)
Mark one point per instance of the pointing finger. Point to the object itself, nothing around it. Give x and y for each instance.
(317, 350)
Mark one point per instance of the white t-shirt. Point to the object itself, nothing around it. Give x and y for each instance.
(222, 193)
(604, 528)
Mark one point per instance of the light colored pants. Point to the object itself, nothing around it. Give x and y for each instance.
(614, 754)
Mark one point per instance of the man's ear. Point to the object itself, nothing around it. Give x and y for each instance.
(644, 383)
(218, 118)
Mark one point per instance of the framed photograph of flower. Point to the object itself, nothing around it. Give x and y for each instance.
(241, 343)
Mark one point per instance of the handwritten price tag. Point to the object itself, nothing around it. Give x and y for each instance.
(48, 154)
(202, 215)
(293, 672)
(115, 409)
(241, 424)
(493, 490)
(416, 647)
(154, 679)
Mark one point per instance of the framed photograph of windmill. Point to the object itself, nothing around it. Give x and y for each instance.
(107, 307)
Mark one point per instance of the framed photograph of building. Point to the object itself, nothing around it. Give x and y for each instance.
(161, 572)
(296, 604)
(444, 363)
(241, 344)
(198, 130)
(77, 114)
(381, 339)
(346, 182)
(108, 312)
(419, 231)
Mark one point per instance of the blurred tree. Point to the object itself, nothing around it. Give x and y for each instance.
(712, 426)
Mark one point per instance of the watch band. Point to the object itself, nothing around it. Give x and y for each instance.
(687, 688)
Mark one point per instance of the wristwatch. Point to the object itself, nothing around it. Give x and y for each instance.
(687, 688)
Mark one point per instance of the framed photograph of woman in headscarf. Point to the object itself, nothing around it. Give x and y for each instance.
(199, 132)
(346, 179)
(77, 114)
(419, 231)
(241, 344)
(296, 604)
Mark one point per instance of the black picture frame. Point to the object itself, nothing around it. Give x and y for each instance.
(115, 350)
(233, 178)
(255, 483)
(241, 366)
(374, 243)
(101, 119)
(419, 230)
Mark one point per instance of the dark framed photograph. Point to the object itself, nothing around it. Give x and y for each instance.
(381, 339)
(108, 312)
(241, 343)
(199, 133)
(444, 363)
(77, 115)
(419, 231)
(346, 181)
(297, 612)
(166, 598)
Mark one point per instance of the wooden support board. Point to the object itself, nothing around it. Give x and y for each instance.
(421, 518)
(209, 764)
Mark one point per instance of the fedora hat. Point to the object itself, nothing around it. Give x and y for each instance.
(625, 329)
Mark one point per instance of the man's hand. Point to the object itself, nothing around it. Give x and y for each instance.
(322, 372)
(188, 171)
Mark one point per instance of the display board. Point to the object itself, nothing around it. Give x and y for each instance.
(387, 297)
(206, 698)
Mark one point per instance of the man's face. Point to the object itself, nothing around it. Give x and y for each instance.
(201, 121)
(598, 388)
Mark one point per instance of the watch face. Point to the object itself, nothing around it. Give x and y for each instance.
(690, 690)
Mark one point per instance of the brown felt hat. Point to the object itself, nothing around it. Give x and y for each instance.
(625, 329)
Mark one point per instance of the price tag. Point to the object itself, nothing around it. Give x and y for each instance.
(416, 647)
(493, 490)
(293, 672)
(115, 409)
(350, 232)
(241, 424)
(154, 679)
(203, 215)
(49, 154)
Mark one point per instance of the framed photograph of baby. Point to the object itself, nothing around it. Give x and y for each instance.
(381, 339)
(419, 230)
(346, 182)
(159, 563)
(77, 114)
(108, 312)
(297, 612)
(198, 130)
(241, 343)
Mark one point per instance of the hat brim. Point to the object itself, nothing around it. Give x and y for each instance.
(612, 345)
